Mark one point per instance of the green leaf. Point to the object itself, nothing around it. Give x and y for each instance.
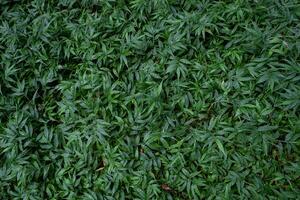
(221, 147)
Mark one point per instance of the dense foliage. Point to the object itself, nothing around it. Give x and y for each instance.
(149, 99)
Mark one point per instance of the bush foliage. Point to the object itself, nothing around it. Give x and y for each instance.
(149, 99)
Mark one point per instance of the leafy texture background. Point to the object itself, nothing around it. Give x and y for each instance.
(149, 99)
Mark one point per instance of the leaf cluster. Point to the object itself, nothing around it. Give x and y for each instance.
(149, 99)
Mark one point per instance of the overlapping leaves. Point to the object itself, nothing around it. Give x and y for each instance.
(149, 99)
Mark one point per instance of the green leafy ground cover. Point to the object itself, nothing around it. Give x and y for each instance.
(149, 99)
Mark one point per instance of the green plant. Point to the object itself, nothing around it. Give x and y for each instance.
(149, 99)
